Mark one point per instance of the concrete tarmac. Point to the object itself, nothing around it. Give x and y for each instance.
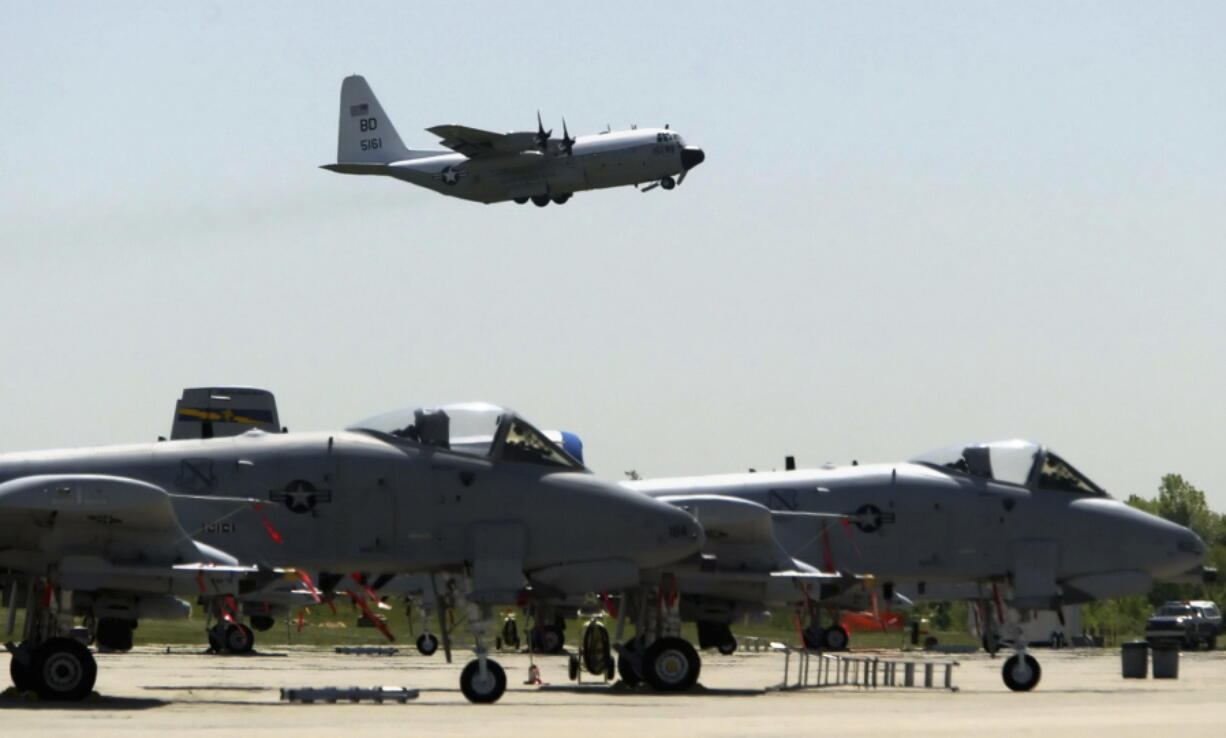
(165, 691)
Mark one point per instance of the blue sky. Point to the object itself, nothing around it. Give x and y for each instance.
(917, 224)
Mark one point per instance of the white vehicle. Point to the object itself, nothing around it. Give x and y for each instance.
(494, 167)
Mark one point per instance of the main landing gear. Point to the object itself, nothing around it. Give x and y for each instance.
(54, 667)
(226, 634)
(819, 637)
(657, 654)
(542, 200)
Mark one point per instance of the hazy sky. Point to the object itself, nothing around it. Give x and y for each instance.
(918, 224)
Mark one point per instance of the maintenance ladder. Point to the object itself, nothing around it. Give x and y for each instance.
(865, 672)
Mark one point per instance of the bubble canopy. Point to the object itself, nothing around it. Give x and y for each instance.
(1024, 463)
(475, 429)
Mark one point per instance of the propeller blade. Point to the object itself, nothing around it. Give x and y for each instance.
(682, 177)
(650, 187)
(542, 136)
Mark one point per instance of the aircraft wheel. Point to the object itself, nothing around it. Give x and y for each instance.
(548, 638)
(572, 667)
(596, 651)
(239, 638)
(217, 641)
(63, 670)
(836, 638)
(728, 648)
(668, 183)
(483, 688)
(814, 637)
(1210, 643)
(521, 200)
(560, 199)
(262, 623)
(19, 672)
(427, 644)
(114, 634)
(510, 634)
(1021, 672)
(540, 200)
(626, 670)
(671, 665)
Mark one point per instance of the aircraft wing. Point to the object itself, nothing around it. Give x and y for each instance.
(474, 142)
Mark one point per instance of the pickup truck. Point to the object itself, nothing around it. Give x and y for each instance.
(1187, 623)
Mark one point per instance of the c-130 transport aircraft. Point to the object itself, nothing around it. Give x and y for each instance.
(119, 532)
(489, 167)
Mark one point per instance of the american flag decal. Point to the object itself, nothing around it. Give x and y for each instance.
(356, 110)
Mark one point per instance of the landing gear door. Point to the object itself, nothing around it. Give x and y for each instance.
(1035, 563)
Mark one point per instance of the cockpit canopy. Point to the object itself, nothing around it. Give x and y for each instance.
(475, 429)
(1024, 463)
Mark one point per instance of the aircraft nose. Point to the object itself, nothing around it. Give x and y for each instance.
(692, 156)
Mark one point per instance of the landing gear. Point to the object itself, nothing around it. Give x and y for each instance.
(427, 644)
(550, 638)
(483, 683)
(114, 634)
(55, 667)
(671, 665)
(540, 200)
(230, 638)
(521, 200)
(626, 668)
(561, 199)
(727, 648)
(716, 635)
(668, 183)
(510, 634)
(262, 623)
(62, 669)
(836, 638)
(1021, 672)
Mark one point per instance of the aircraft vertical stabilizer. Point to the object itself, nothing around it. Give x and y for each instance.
(366, 134)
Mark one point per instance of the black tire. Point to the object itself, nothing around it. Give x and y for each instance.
(262, 623)
(63, 670)
(572, 667)
(560, 199)
(728, 648)
(114, 634)
(510, 633)
(483, 691)
(668, 183)
(596, 650)
(239, 638)
(836, 638)
(625, 669)
(427, 644)
(814, 637)
(217, 641)
(521, 200)
(540, 200)
(1027, 679)
(20, 674)
(671, 665)
(549, 639)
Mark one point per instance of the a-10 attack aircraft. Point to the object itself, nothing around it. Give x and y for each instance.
(116, 533)
(1011, 517)
(488, 167)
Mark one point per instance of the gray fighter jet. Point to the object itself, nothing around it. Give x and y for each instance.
(475, 489)
(487, 167)
(1013, 517)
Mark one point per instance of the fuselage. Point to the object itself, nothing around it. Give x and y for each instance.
(355, 501)
(914, 524)
(597, 161)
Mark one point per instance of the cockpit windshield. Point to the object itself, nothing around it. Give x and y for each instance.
(473, 428)
(1019, 462)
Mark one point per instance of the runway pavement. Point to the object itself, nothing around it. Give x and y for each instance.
(162, 691)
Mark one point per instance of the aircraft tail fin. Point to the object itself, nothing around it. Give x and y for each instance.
(366, 135)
